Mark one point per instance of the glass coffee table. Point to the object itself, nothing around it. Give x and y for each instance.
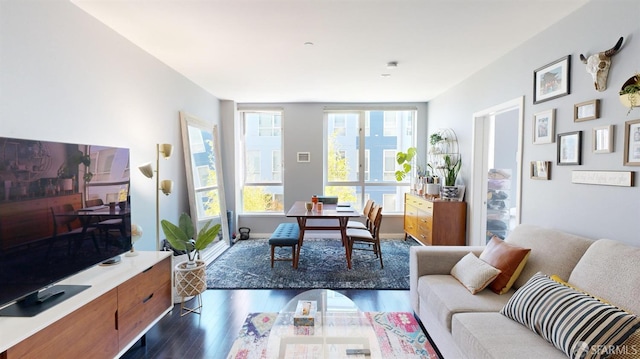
(340, 330)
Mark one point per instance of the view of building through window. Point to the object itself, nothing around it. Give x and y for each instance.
(361, 156)
(262, 189)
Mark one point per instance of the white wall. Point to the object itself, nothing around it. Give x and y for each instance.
(66, 77)
(589, 210)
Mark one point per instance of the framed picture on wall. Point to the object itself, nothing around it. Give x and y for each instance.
(541, 170)
(585, 111)
(602, 139)
(632, 143)
(552, 80)
(569, 148)
(543, 127)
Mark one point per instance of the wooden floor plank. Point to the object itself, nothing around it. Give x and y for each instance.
(211, 334)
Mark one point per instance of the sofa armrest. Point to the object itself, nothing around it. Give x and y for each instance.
(433, 260)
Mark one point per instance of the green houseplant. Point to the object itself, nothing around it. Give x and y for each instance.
(183, 236)
(451, 169)
(630, 92)
(404, 159)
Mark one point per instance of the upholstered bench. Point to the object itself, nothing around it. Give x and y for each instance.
(285, 235)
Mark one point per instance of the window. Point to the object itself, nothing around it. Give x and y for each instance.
(262, 185)
(362, 163)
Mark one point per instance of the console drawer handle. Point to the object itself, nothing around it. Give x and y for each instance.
(148, 298)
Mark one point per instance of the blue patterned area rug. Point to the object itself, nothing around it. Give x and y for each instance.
(247, 265)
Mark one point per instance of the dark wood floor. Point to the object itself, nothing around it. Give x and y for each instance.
(211, 334)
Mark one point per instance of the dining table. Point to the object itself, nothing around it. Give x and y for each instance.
(329, 211)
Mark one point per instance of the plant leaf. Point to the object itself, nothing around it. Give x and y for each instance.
(186, 225)
(175, 235)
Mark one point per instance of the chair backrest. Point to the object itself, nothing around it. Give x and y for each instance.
(375, 216)
(365, 212)
(63, 223)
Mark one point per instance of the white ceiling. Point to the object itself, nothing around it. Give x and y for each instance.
(254, 50)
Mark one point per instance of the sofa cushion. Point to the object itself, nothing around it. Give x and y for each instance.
(474, 273)
(610, 270)
(443, 296)
(573, 322)
(552, 251)
(509, 258)
(491, 335)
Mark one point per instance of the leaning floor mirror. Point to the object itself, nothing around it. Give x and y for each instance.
(204, 179)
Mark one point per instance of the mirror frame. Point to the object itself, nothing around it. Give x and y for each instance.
(187, 121)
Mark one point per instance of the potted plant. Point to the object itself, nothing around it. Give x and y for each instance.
(404, 159)
(190, 277)
(434, 139)
(450, 169)
(630, 92)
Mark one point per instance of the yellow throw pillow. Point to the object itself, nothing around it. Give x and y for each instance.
(509, 258)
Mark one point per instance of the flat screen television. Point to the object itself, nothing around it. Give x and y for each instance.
(47, 230)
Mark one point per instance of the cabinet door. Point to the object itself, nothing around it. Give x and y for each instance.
(89, 332)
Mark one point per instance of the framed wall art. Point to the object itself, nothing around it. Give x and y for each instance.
(602, 139)
(552, 80)
(543, 127)
(541, 170)
(632, 143)
(569, 148)
(585, 111)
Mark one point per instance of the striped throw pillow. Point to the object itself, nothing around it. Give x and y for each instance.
(574, 322)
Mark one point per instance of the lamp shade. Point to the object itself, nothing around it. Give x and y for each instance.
(146, 170)
(166, 149)
(166, 186)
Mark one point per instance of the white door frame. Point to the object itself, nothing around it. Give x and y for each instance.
(479, 168)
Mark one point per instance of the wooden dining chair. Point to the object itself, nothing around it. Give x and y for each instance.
(365, 212)
(371, 238)
(66, 225)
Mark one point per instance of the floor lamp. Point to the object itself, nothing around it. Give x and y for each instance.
(166, 186)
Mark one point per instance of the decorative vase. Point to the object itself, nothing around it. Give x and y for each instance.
(190, 281)
(433, 189)
(449, 192)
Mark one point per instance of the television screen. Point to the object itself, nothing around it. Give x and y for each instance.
(63, 208)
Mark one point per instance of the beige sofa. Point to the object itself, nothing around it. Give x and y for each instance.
(463, 325)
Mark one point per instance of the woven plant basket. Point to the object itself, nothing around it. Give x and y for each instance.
(190, 281)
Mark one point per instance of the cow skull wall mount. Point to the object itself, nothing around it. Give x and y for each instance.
(598, 65)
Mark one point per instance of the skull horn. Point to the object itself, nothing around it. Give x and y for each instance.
(614, 50)
(584, 59)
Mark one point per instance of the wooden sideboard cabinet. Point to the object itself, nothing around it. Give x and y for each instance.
(435, 222)
(104, 321)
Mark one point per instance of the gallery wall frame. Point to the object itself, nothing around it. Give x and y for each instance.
(632, 143)
(544, 127)
(541, 170)
(552, 80)
(569, 148)
(602, 139)
(585, 111)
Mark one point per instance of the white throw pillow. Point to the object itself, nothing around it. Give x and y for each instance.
(474, 273)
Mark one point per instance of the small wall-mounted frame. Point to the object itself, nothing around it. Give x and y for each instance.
(543, 127)
(552, 80)
(585, 111)
(304, 156)
(541, 170)
(570, 148)
(602, 139)
(605, 178)
(632, 143)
